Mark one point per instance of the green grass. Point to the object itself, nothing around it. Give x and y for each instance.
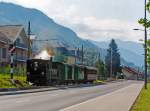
(143, 101)
(5, 81)
(98, 82)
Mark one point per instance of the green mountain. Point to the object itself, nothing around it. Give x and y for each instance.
(46, 28)
(41, 25)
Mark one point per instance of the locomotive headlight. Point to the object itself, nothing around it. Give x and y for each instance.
(42, 73)
(28, 73)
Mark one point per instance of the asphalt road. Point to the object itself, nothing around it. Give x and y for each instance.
(58, 99)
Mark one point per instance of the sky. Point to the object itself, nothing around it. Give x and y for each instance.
(97, 20)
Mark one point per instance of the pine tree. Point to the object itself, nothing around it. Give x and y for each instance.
(112, 59)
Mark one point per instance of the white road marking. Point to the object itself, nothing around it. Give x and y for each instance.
(76, 105)
(53, 95)
(72, 92)
(23, 101)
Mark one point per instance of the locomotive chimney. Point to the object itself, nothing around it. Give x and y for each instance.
(51, 59)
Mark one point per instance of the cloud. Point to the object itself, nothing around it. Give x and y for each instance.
(89, 26)
(31, 3)
(103, 29)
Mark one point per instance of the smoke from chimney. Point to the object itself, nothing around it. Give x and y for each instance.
(46, 53)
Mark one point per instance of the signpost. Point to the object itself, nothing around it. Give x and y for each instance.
(11, 51)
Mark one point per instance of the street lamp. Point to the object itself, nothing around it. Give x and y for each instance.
(139, 29)
(145, 55)
(145, 44)
(145, 30)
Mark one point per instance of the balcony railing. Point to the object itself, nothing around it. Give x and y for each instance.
(20, 58)
(22, 46)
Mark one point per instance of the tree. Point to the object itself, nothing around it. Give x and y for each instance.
(112, 59)
(143, 21)
(146, 23)
(101, 70)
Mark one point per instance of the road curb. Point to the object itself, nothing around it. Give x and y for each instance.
(23, 88)
(15, 91)
(27, 91)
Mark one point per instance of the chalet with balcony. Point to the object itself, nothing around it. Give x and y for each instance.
(13, 34)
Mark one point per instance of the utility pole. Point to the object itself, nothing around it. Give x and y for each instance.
(111, 62)
(82, 55)
(29, 33)
(99, 60)
(145, 30)
(78, 56)
(75, 55)
(99, 56)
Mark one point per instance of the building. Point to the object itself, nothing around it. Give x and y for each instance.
(74, 56)
(4, 41)
(68, 55)
(62, 51)
(132, 74)
(16, 35)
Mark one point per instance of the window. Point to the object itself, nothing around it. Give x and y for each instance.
(18, 40)
(4, 53)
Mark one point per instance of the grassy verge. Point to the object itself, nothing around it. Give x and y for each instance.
(143, 101)
(5, 81)
(98, 82)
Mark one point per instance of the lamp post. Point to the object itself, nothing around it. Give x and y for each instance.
(145, 56)
(145, 44)
(145, 30)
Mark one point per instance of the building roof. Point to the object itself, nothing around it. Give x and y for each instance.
(3, 38)
(133, 71)
(10, 31)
